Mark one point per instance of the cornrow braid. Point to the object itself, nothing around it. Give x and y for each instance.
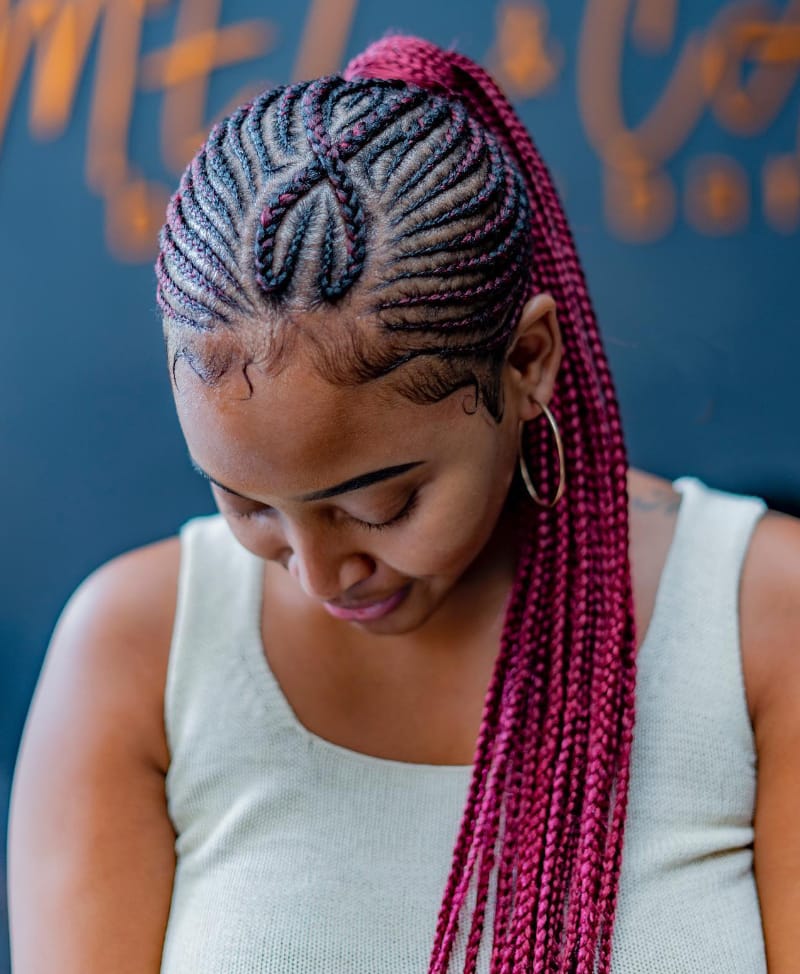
(300, 192)
(197, 220)
(457, 120)
(553, 755)
(233, 136)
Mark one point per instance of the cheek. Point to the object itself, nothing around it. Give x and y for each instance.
(449, 531)
(259, 536)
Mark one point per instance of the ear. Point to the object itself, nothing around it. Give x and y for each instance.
(534, 356)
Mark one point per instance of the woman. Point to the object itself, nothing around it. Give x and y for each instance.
(251, 747)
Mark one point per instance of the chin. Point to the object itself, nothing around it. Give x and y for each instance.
(397, 623)
(409, 617)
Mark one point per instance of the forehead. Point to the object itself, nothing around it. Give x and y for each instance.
(293, 432)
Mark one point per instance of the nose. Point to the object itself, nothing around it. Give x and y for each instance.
(323, 572)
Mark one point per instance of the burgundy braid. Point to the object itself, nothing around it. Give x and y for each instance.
(353, 218)
(328, 164)
(458, 122)
(553, 755)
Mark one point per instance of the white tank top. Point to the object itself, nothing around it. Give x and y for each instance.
(297, 856)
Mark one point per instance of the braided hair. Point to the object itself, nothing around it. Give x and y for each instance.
(408, 188)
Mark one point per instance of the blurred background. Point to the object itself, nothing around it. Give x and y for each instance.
(673, 132)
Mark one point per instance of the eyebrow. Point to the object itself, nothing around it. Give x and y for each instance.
(354, 483)
(198, 469)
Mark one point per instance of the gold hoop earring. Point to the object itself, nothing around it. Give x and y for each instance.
(562, 475)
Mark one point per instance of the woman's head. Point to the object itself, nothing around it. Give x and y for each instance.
(359, 491)
(352, 249)
(363, 273)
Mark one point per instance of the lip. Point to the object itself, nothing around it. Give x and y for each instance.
(371, 610)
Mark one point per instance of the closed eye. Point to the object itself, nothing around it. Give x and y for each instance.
(401, 515)
(253, 513)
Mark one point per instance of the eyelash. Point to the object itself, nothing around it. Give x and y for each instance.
(407, 511)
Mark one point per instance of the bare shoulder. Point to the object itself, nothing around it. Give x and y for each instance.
(91, 845)
(770, 645)
(770, 613)
(117, 629)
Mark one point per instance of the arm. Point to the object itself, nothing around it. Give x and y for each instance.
(770, 612)
(91, 848)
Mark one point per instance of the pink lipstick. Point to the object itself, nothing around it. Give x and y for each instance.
(371, 610)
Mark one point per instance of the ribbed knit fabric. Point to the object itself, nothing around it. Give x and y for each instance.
(297, 856)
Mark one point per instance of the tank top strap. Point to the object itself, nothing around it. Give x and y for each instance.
(219, 598)
(715, 527)
(694, 631)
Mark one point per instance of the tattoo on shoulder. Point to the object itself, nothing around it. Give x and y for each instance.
(657, 501)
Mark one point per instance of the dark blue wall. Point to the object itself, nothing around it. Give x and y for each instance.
(701, 320)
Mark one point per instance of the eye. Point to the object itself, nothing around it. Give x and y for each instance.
(253, 513)
(401, 515)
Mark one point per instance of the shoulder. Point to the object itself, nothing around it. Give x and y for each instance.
(113, 640)
(770, 643)
(770, 618)
(91, 845)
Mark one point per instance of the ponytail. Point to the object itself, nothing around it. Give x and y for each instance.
(544, 819)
